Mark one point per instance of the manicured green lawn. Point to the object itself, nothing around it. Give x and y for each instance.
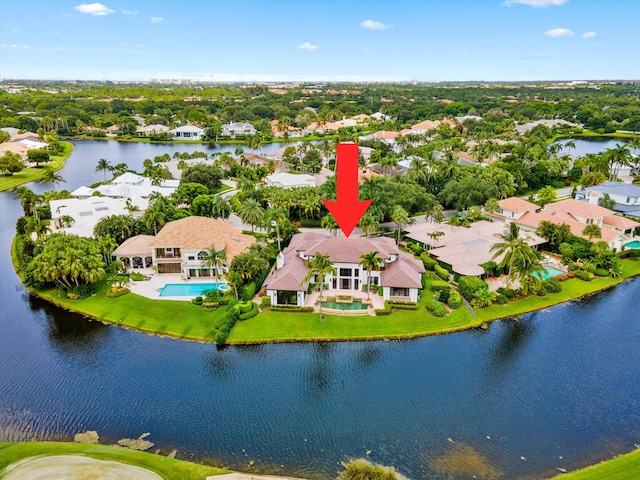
(31, 174)
(164, 317)
(624, 467)
(168, 468)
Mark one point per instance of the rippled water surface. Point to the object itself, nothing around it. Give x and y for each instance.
(563, 382)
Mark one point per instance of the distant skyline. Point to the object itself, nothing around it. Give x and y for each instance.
(348, 40)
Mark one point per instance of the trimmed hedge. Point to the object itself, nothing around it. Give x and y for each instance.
(265, 302)
(441, 272)
(470, 286)
(251, 313)
(602, 272)
(248, 292)
(113, 292)
(508, 292)
(501, 299)
(429, 263)
(292, 308)
(197, 301)
(225, 324)
(402, 305)
(630, 253)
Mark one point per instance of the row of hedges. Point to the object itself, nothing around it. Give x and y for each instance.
(224, 325)
(454, 301)
(429, 263)
(247, 313)
(292, 308)
(402, 305)
(441, 272)
(630, 253)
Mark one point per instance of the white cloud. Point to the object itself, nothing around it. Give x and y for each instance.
(538, 55)
(157, 19)
(15, 45)
(14, 29)
(373, 25)
(96, 9)
(559, 32)
(308, 46)
(129, 12)
(588, 35)
(536, 3)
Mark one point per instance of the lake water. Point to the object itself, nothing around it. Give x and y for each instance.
(562, 382)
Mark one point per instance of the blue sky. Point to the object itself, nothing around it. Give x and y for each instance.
(428, 40)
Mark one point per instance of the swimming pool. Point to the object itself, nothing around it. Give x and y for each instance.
(634, 244)
(190, 289)
(356, 305)
(550, 272)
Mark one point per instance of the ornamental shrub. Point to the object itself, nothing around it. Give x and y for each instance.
(265, 302)
(501, 299)
(112, 292)
(252, 312)
(442, 289)
(470, 287)
(602, 272)
(197, 301)
(552, 285)
(508, 292)
(454, 301)
(583, 275)
(248, 291)
(436, 308)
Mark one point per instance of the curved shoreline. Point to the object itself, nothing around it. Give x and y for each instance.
(401, 325)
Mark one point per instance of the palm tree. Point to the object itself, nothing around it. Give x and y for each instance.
(154, 217)
(320, 266)
(607, 202)
(617, 157)
(400, 217)
(329, 223)
(251, 213)
(592, 231)
(103, 166)
(369, 224)
(221, 208)
(370, 261)
(214, 258)
(275, 217)
(514, 250)
(52, 177)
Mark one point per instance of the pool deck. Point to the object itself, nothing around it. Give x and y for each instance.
(377, 302)
(149, 288)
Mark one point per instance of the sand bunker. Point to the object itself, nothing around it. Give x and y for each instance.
(74, 467)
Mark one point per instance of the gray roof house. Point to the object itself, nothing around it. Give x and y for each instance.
(626, 196)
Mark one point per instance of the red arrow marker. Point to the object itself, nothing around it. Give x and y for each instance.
(347, 210)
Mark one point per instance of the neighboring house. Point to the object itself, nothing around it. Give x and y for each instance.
(290, 180)
(238, 128)
(180, 246)
(129, 185)
(514, 208)
(525, 127)
(325, 127)
(85, 213)
(468, 117)
(380, 117)
(400, 277)
(626, 196)
(424, 127)
(465, 249)
(249, 158)
(149, 130)
(10, 130)
(112, 130)
(616, 230)
(386, 136)
(187, 132)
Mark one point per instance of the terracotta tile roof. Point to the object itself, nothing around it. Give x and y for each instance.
(405, 272)
(531, 219)
(620, 222)
(577, 207)
(194, 233)
(385, 134)
(138, 245)
(426, 125)
(516, 204)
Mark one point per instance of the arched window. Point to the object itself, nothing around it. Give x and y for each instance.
(202, 255)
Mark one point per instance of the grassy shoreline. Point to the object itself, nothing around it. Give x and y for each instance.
(30, 174)
(622, 467)
(196, 323)
(167, 468)
(310, 138)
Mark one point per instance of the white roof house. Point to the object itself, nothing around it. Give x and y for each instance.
(129, 185)
(290, 180)
(151, 129)
(238, 128)
(188, 132)
(87, 212)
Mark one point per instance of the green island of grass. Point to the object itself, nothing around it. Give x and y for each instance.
(184, 320)
(168, 468)
(30, 174)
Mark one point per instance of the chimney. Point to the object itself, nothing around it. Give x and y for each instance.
(279, 261)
